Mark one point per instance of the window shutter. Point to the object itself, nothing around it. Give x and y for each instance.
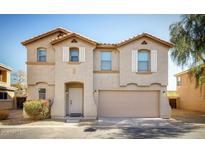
(82, 54)
(154, 61)
(134, 61)
(65, 54)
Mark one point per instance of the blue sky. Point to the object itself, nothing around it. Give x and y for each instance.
(102, 28)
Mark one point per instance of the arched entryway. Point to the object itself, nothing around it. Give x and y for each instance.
(74, 99)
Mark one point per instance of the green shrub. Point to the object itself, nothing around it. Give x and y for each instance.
(4, 114)
(37, 109)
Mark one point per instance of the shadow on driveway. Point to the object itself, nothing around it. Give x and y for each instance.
(173, 130)
(181, 123)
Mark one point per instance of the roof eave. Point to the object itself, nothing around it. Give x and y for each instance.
(44, 35)
(73, 35)
(168, 44)
(181, 73)
(5, 67)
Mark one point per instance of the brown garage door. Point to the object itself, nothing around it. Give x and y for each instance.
(128, 104)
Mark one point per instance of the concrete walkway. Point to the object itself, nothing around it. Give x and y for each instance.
(183, 124)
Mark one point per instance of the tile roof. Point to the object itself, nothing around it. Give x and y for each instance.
(68, 34)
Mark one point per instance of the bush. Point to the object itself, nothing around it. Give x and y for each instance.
(4, 114)
(37, 109)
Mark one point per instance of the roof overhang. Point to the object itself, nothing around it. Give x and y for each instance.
(35, 38)
(168, 44)
(5, 67)
(183, 72)
(68, 34)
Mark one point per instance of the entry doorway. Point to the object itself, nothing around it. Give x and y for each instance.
(74, 99)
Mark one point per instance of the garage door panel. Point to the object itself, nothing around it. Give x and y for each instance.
(129, 104)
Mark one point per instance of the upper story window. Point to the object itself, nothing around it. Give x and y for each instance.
(41, 55)
(3, 95)
(74, 55)
(42, 93)
(179, 81)
(106, 60)
(143, 61)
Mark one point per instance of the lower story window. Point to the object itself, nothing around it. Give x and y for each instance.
(42, 93)
(3, 95)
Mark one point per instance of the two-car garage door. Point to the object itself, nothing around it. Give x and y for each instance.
(128, 104)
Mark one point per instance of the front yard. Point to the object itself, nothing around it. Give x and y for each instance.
(183, 124)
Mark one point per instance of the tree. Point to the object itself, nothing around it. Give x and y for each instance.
(188, 37)
(19, 81)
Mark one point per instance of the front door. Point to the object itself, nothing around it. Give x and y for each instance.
(75, 102)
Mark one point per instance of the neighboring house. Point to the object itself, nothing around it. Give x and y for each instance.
(92, 80)
(6, 91)
(191, 98)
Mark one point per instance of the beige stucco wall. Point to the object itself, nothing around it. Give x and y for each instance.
(127, 80)
(66, 72)
(40, 76)
(57, 75)
(191, 98)
(97, 59)
(127, 76)
(33, 91)
(40, 73)
(111, 82)
(42, 43)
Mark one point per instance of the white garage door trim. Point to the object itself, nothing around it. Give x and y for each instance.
(131, 108)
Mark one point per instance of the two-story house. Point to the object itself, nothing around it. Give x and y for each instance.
(91, 80)
(6, 91)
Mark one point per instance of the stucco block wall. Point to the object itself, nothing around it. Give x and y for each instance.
(126, 74)
(191, 98)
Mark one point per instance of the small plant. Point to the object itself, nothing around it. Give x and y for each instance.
(37, 109)
(4, 114)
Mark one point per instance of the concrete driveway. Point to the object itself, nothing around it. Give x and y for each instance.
(183, 124)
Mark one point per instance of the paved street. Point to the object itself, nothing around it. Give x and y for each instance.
(183, 124)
